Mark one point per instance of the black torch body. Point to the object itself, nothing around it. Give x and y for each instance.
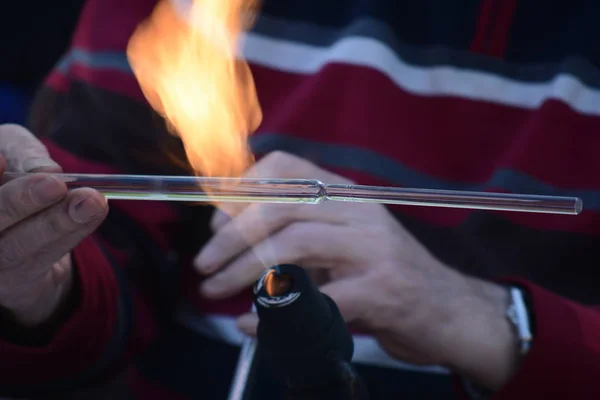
(302, 333)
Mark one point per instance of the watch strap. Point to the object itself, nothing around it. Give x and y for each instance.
(518, 315)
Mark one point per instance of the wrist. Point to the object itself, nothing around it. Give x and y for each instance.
(47, 303)
(487, 348)
(36, 324)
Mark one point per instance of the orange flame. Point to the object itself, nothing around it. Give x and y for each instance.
(189, 73)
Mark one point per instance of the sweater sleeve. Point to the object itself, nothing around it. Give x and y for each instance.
(564, 359)
(91, 341)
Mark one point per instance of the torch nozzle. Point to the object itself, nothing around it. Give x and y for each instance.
(303, 334)
(278, 283)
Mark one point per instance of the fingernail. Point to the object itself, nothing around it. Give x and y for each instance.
(47, 190)
(86, 209)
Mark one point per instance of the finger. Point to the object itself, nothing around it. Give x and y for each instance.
(48, 236)
(219, 219)
(231, 209)
(231, 240)
(311, 245)
(87, 210)
(318, 276)
(248, 323)
(350, 296)
(23, 152)
(253, 225)
(279, 164)
(23, 197)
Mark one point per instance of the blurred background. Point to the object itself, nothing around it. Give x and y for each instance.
(33, 36)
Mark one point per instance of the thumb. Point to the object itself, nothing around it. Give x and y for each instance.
(23, 152)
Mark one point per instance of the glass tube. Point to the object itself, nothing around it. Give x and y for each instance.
(198, 189)
(249, 190)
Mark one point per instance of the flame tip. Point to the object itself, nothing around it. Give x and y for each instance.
(189, 72)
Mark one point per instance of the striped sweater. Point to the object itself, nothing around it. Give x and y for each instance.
(477, 95)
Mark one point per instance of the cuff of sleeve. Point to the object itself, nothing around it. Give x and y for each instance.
(562, 361)
(82, 344)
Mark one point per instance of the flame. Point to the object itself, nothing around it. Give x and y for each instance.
(189, 72)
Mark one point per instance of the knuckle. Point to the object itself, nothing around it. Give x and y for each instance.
(13, 252)
(8, 132)
(219, 219)
(277, 156)
(222, 239)
(49, 255)
(299, 231)
(17, 135)
(21, 149)
(247, 222)
(275, 216)
(12, 202)
(58, 223)
(286, 164)
(297, 235)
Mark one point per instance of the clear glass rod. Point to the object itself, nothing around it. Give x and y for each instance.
(248, 190)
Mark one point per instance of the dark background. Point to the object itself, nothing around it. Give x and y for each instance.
(33, 36)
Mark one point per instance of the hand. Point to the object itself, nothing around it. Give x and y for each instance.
(40, 222)
(380, 276)
(319, 237)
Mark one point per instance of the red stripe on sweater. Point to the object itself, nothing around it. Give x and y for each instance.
(501, 28)
(493, 25)
(92, 32)
(58, 81)
(449, 138)
(482, 26)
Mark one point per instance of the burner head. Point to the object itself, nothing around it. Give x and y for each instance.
(277, 283)
(280, 286)
(300, 329)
